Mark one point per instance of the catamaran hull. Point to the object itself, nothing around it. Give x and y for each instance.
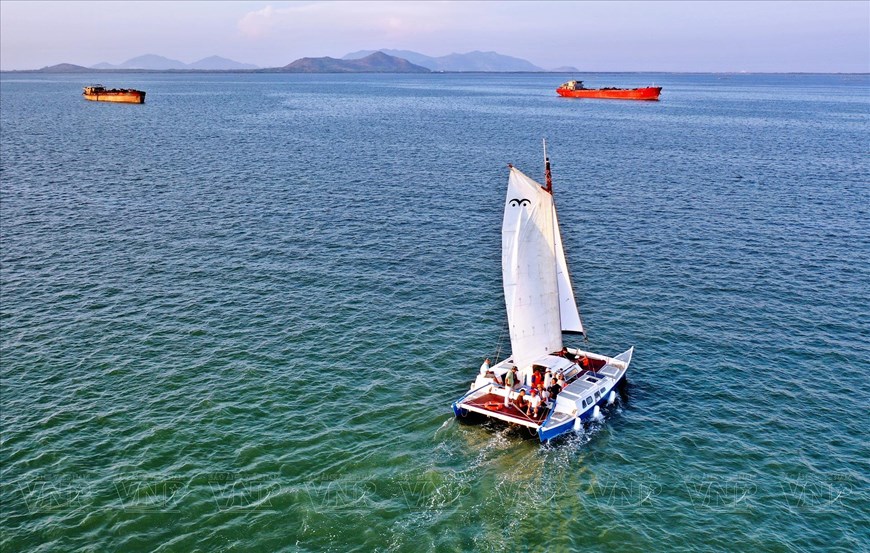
(586, 394)
(459, 412)
(548, 434)
(555, 432)
(545, 435)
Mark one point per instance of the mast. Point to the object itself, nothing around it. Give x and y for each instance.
(547, 175)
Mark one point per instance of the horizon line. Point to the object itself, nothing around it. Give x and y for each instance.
(270, 70)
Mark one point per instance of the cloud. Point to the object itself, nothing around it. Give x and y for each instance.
(332, 19)
(258, 23)
(394, 23)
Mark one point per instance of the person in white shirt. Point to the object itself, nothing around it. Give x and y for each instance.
(534, 404)
(545, 394)
(484, 368)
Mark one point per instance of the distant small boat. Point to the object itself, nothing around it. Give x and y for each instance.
(99, 93)
(575, 89)
(540, 306)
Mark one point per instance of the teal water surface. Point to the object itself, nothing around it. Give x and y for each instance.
(234, 318)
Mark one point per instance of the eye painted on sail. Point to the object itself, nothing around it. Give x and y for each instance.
(518, 202)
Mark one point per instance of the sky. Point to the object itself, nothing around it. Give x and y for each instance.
(691, 36)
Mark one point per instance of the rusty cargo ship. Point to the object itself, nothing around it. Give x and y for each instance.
(575, 89)
(99, 93)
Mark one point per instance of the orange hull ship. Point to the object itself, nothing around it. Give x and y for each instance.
(575, 89)
(99, 93)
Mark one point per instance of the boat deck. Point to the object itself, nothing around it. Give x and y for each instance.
(495, 404)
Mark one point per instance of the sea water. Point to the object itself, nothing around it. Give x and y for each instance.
(234, 317)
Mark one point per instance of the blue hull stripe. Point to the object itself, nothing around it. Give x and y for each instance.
(556, 431)
(566, 427)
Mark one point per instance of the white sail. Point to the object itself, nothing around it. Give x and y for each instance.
(567, 304)
(529, 271)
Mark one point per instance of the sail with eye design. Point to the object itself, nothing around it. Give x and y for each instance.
(531, 287)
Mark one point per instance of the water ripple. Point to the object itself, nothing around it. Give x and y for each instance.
(234, 318)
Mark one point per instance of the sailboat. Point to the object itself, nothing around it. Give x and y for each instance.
(541, 307)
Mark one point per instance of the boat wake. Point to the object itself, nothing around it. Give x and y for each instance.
(579, 438)
(445, 424)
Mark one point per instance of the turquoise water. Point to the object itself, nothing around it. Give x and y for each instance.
(234, 318)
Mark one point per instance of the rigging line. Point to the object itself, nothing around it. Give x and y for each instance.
(500, 340)
(524, 416)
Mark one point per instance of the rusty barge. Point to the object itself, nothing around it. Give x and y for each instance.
(99, 93)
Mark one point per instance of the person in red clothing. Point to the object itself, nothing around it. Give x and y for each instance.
(536, 378)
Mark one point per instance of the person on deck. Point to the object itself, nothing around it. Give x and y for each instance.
(510, 379)
(484, 368)
(487, 372)
(520, 400)
(534, 404)
(544, 392)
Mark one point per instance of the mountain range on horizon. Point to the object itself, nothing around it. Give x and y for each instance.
(154, 62)
(362, 61)
(469, 61)
(376, 62)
